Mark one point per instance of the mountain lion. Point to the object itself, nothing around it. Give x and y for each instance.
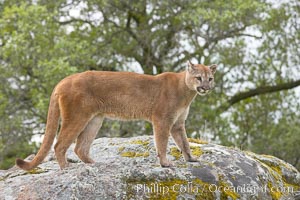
(83, 100)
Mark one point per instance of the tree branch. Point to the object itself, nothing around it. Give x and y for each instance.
(72, 20)
(227, 34)
(258, 91)
(249, 35)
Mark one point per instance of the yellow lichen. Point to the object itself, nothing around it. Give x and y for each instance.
(281, 163)
(146, 154)
(152, 189)
(132, 154)
(226, 189)
(291, 187)
(274, 192)
(121, 149)
(141, 142)
(128, 154)
(196, 151)
(275, 171)
(175, 152)
(172, 189)
(182, 165)
(197, 141)
(37, 171)
(205, 192)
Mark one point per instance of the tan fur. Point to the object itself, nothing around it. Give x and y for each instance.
(83, 100)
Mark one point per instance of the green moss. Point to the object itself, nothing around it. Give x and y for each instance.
(197, 141)
(132, 154)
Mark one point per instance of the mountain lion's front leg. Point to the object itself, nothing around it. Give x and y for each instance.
(179, 136)
(161, 137)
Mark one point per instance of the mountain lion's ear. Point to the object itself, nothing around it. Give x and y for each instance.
(191, 66)
(213, 68)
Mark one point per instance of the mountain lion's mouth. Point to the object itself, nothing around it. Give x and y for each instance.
(202, 92)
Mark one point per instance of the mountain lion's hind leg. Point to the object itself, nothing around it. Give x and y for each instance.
(179, 135)
(86, 138)
(69, 131)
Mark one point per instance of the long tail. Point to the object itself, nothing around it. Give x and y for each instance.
(50, 133)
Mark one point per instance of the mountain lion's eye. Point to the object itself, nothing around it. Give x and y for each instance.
(210, 79)
(199, 78)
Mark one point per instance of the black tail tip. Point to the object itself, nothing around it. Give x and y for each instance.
(21, 163)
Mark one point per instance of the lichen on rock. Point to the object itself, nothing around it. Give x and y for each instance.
(128, 168)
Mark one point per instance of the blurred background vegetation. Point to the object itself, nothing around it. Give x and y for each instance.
(256, 44)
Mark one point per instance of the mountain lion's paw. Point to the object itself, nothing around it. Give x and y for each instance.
(192, 159)
(166, 164)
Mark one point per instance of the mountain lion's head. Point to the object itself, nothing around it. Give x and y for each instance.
(200, 77)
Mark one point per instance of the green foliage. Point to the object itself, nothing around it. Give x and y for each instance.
(21, 150)
(254, 43)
